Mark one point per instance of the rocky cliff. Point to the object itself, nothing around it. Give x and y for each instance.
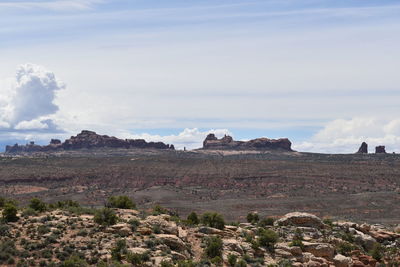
(227, 143)
(88, 139)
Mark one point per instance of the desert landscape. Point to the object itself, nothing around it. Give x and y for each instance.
(360, 187)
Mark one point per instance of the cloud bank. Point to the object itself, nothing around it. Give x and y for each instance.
(189, 138)
(345, 136)
(28, 102)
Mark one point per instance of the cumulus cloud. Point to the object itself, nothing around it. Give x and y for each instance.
(29, 101)
(345, 136)
(189, 138)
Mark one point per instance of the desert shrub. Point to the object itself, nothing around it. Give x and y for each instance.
(345, 248)
(285, 263)
(118, 250)
(297, 243)
(213, 247)
(74, 261)
(43, 229)
(156, 229)
(217, 261)
(377, 252)
(7, 251)
(65, 204)
(37, 204)
(241, 263)
(267, 238)
(29, 212)
(4, 230)
(192, 218)
(165, 263)
(232, 259)
(347, 236)
(136, 259)
(213, 219)
(10, 213)
(186, 263)
(157, 210)
(105, 217)
(134, 223)
(266, 221)
(253, 217)
(2, 202)
(328, 221)
(120, 202)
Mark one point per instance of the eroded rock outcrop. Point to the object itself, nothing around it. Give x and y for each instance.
(363, 148)
(88, 140)
(380, 150)
(227, 143)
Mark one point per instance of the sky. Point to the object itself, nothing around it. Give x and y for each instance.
(323, 73)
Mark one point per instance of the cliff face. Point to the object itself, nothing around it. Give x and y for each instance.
(227, 143)
(88, 140)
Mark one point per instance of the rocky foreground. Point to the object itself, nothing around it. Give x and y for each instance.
(74, 236)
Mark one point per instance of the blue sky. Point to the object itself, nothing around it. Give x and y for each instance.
(323, 73)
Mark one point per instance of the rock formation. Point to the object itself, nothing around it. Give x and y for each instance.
(380, 150)
(88, 140)
(227, 143)
(363, 148)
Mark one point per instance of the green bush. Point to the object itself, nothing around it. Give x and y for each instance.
(241, 263)
(105, 217)
(134, 223)
(267, 238)
(65, 204)
(266, 222)
(165, 263)
(74, 261)
(10, 213)
(118, 250)
(137, 259)
(37, 204)
(120, 202)
(186, 263)
(377, 252)
(253, 217)
(214, 247)
(232, 259)
(213, 219)
(193, 219)
(297, 243)
(345, 248)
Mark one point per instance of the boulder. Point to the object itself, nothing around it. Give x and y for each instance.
(364, 240)
(363, 148)
(342, 261)
(301, 219)
(172, 241)
(320, 250)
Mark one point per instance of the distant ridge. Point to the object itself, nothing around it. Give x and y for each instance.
(227, 143)
(88, 140)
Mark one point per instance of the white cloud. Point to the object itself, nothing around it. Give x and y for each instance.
(30, 97)
(31, 125)
(189, 138)
(345, 136)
